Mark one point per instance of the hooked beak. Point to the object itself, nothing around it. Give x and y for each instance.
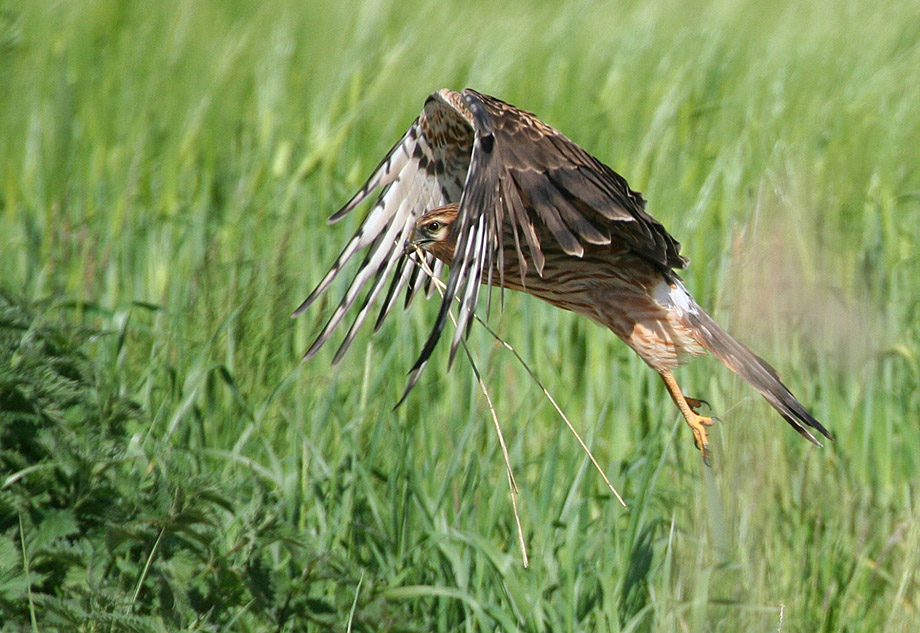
(417, 240)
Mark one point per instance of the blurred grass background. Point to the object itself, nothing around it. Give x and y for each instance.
(168, 464)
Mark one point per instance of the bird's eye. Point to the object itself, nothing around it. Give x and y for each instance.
(434, 226)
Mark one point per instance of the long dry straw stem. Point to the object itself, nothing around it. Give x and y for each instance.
(441, 287)
(556, 406)
(512, 484)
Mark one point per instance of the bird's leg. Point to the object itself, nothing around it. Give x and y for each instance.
(697, 422)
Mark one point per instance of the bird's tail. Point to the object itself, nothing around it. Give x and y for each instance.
(756, 371)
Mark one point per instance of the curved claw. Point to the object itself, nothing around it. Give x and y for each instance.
(698, 426)
(696, 403)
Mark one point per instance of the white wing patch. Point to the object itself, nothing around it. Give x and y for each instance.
(426, 169)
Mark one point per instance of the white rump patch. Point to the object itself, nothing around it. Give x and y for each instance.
(674, 296)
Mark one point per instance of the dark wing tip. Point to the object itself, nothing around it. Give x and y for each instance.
(303, 307)
(311, 352)
(413, 379)
(338, 215)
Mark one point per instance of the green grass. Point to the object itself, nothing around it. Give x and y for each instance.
(169, 464)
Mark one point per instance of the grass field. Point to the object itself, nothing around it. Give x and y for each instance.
(167, 463)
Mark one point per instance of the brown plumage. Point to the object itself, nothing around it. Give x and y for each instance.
(506, 200)
(645, 305)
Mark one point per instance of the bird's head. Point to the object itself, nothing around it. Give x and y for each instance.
(433, 232)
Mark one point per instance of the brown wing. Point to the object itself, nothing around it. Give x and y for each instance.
(577, 198)
(502, 165)
(526, 174)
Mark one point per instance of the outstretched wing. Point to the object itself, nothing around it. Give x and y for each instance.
(528, 177)
(424, 170)
(549, 182)
(508, 170)
(478, 229)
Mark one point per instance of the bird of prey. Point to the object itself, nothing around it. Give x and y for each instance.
(503, 199)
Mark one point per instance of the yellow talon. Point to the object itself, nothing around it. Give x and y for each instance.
(697, 422)
(696, 403)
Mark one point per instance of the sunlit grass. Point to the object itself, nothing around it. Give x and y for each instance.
(165, 174)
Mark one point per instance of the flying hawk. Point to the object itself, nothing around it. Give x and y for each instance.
(505, 200)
